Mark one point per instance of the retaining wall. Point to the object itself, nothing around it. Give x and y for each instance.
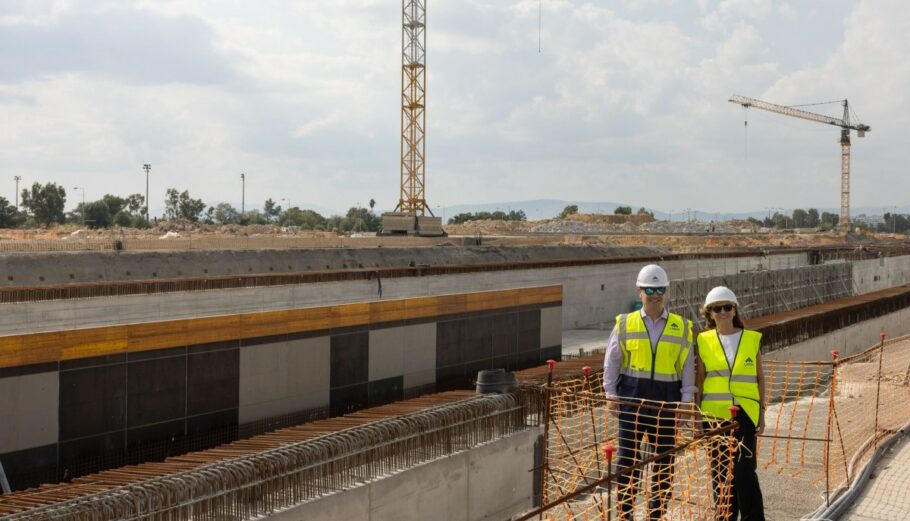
(75, 402)
(848, 341)
(591, 294)
(489, 482)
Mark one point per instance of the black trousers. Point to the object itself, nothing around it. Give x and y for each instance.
(743, 500)
(661, 431)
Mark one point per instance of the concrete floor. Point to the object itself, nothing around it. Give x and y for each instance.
(886, 496)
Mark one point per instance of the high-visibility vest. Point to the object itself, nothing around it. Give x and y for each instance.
(652, 374)
(724, 385)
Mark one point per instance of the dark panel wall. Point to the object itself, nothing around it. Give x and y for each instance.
(124, 409)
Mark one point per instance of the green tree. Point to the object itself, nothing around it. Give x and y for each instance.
(829, 220)
(271, 210)
(224, 213)
(623, 210)
(568, 210)
(372, 203)
(182, 205)
(305, 219)
(135, 204)
(254, 217)
(644, 211)
(98, 215)
(360, 220)
(9, 217)
(114, 203)
(45, 203)
(814, 219)
(800, 218)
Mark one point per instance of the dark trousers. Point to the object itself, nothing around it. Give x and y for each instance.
(661, 431)
(742, 500)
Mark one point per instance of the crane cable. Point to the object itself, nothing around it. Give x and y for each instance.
(539, 22)
(745, 132)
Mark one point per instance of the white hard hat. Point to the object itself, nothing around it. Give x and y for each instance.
(652, 276)
(720, 294)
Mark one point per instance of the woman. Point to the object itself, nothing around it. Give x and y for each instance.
(730, 373)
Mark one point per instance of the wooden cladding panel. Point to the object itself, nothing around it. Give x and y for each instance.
(36, 348)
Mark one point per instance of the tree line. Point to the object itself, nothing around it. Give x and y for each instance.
(43, 205)
(800, 218)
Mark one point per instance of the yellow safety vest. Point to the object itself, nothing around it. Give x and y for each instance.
(652, 374)
(725, 386)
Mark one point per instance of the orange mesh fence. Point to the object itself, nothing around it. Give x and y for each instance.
(661, 459)
(814, 444)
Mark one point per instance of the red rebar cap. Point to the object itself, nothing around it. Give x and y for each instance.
(882, 334)
(551, 363)
(587, 370)
(609, 450)
(835, 353)
(733, 410)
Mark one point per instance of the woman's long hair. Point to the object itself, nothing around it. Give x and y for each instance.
(709, 321)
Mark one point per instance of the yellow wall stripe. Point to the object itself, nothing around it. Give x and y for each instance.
(37, 348)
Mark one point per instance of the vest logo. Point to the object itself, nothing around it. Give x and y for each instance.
(674, 326)
(749, 362)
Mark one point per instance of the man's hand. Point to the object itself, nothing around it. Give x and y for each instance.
(761, 423)
(613, 408)
(685, 416)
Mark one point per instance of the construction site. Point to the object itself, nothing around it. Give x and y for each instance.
(187, 373)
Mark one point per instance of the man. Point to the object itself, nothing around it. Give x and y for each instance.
(648, 363)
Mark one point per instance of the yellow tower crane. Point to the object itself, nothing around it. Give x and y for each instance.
(409, 217)
(845, 127)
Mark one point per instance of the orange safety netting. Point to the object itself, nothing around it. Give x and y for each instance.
(814, 444)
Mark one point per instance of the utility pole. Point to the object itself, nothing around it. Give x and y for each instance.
(146, 167)
(242, 196)
(83, 202)
(17, 179)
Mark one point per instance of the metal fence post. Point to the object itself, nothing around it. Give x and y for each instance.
(878, 388)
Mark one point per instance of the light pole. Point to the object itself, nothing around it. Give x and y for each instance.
(242, 195)
(17, 178)
(893, 219)
(289, 202)
(147, 167)
(83, 202)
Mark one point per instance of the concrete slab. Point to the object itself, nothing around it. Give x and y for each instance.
(386, 358)
(29, 404)
(284, 377)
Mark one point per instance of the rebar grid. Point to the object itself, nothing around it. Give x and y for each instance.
(231, 487)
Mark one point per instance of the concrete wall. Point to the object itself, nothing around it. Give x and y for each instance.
(849, 340)
(885, 272)
(40, 269)
(91, 409)
(490, 482)
(591, 294)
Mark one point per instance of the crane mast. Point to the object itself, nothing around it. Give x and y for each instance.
(410, 215)
(845, 125)
(412, 198)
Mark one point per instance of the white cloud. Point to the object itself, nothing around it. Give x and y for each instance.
(624, 104)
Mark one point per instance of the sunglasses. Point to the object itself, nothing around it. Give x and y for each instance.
(651, 291)
(726, 307)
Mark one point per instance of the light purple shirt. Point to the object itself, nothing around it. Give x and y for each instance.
(613, 359)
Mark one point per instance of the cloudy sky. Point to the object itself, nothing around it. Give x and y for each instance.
(626, 100)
